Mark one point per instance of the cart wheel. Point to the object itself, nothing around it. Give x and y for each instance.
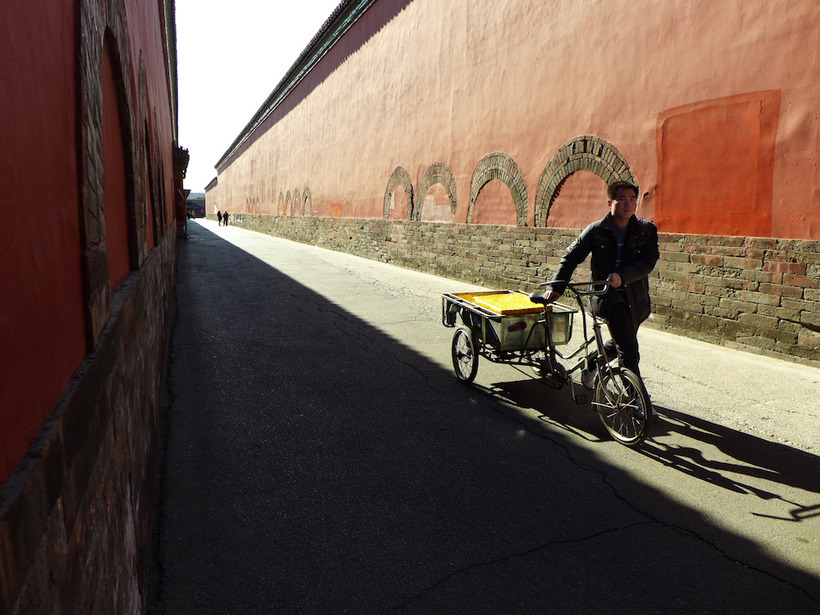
(623, 406)
(465, 354)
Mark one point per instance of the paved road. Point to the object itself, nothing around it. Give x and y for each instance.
(322, 458)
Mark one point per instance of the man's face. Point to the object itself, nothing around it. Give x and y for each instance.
(623, 205)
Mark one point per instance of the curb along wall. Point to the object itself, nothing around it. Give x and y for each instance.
(755, 294)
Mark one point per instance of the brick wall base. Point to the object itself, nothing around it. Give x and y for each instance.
(76, 517)
(755, 294)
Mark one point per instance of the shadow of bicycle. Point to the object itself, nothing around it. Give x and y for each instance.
(736, 461)
(727, 458)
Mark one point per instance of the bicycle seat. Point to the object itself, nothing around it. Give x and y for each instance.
(537, 296)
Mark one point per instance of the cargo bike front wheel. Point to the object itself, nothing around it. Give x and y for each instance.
(465, 354)
(623, 405)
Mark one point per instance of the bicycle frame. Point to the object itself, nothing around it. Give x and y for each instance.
(556, 372)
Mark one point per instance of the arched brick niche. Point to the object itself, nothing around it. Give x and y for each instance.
(307, 202)
(436, 173)
(105, 40)
(499, 165)
(296, 203)
(280, 210)
(146, 232)
(400, 178)
(584, 153)
(287, 208)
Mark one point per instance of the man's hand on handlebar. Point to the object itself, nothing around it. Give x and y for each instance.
(551, 296)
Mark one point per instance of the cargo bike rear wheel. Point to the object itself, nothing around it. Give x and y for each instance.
(465, 354)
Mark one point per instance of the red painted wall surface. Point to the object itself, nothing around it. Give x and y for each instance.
(116, 212)
(145, 39)
(43, 337)
(712, 104)
(494, 205)
(715, 166)
(42, 334)
(582, 200)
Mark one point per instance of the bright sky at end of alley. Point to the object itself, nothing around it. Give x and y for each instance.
(230, 56)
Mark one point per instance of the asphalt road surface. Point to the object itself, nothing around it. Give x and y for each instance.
(321, 457)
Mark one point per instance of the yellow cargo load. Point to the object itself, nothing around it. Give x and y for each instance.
(508, 303)
(508, 320)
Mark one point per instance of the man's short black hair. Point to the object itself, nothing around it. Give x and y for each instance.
(613, 188)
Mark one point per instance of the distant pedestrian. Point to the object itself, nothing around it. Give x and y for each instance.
(225, 217)
(219, 217)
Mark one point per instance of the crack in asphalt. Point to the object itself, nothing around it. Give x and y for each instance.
(652, 520)
(512, 556)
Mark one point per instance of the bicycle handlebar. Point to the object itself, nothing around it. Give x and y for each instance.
(592, 287)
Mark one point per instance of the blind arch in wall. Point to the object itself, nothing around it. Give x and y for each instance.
(499, 165)
(436, 173)
(399, 178)
(583, 153)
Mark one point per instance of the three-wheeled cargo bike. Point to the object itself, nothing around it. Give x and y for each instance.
(510, 326)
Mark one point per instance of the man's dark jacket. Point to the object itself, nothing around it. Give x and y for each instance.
(639, 256)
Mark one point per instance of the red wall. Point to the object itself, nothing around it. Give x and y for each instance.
(494, 205)
(42, 334)
(43, 304)
(711, 104)
(145, 39)
(715, 166)
(582, 200)
(116, 207)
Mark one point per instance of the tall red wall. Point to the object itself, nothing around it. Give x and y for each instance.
(42, 330)
(711, 104)
(87, 255)
(44, 309)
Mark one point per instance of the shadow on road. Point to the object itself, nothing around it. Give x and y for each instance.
(315, 464)
(747, 455)
(704, 450)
